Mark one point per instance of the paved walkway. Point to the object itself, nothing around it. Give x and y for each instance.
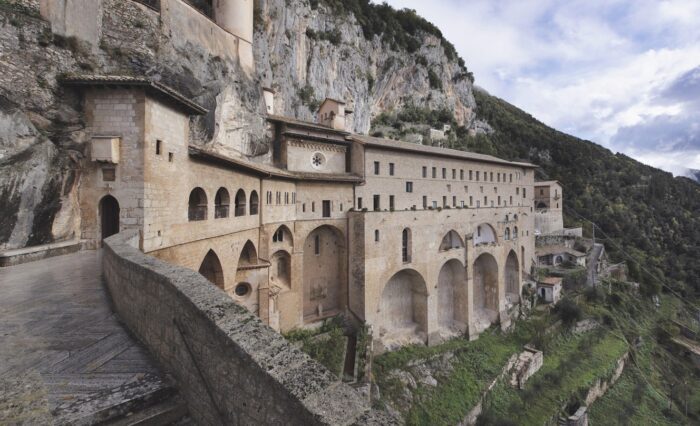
(63, 354)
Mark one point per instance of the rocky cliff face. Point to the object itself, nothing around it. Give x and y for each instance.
(319, 53)
(306, 53)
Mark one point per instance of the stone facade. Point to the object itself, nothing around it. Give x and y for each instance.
(548, 207)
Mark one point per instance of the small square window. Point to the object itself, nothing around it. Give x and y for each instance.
(170, 157)
(109, 174)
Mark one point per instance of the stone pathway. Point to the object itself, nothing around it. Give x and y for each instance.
(64, 357)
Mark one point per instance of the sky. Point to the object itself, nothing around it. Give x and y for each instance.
(622, 73)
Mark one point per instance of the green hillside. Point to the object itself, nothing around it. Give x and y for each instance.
(650, 216)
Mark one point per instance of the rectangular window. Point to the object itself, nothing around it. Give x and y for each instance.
(462, 203)
(434, 204)
(109, 174)
(491, 176)
(303, 207)
(391, 202)
(376, 235)
(359, 203)
(425, 172)
(425, 202)
(461, 175)
(449, 188)
(376, 167)
(470, 175)
(444, 173)
(478, 204)
(326, 208)
(471, 200)
(313, 207)
(477, 176)
(499, 200)
(517, 191)
(498, 177)
(454, 201)
(454, 174)
(170, 157)
(524, 190)
(511, 178)
(511, 200)
(486, 201)
(391, 169)
(317, 245)
(444, 201)
(159, 146)
(409, 186)
(377, 206)
(434, 172)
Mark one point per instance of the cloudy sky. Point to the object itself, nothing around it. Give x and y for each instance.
(623, 73)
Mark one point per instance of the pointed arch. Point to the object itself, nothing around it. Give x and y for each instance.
(512, 274)
(281, 269)
(506, 234)
(486, 295)
(249, 255)
(450, 241)
(283, 235)
(324, 273)
(485, 234)
(211, 269)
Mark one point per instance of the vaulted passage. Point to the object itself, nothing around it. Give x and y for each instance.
(452, 297)
(512, 277)
(281, 269)
(403, 309)
(324, 273)
(486, 289)
(211, 269)
(109, 216)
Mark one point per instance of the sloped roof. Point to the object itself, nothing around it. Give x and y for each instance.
(557, 249)
(391, 144)
(151, 86)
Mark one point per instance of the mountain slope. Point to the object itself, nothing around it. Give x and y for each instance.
(652, 216)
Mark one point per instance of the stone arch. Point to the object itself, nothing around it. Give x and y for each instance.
(512, 275)
(484, 234)
(211, 269)
(197, 205)
(221, 203)
(486, 288)
(283, 235)
(281, 269)
(109, 216)
(450, 241)
(249, 255)
(324, 273)
(452, 297)
(240, 203)
(541, 205)
(403, 308)
(254, 203)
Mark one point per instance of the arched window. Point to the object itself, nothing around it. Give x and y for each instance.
(197, 208)
(221, 203)
(406, 246)
(506, 236)
(240, 203)
(249, 256)
(515, 232)
(253, 203)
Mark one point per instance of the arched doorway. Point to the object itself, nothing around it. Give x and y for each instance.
(403, 309)
(486, 289)
(109, 216)
(211, 269)
(281, 269)
(452, 297)
(512, 277)
(324, 273)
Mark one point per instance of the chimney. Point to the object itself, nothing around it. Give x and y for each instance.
(269, 96)
(331, 113)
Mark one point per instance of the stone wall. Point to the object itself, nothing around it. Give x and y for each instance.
(230, 367)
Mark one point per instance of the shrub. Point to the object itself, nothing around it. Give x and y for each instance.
(569, 312)
(434, 80)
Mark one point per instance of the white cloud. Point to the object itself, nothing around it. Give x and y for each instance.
(587, 67)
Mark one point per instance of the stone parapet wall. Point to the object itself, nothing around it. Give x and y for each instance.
(231, 368)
